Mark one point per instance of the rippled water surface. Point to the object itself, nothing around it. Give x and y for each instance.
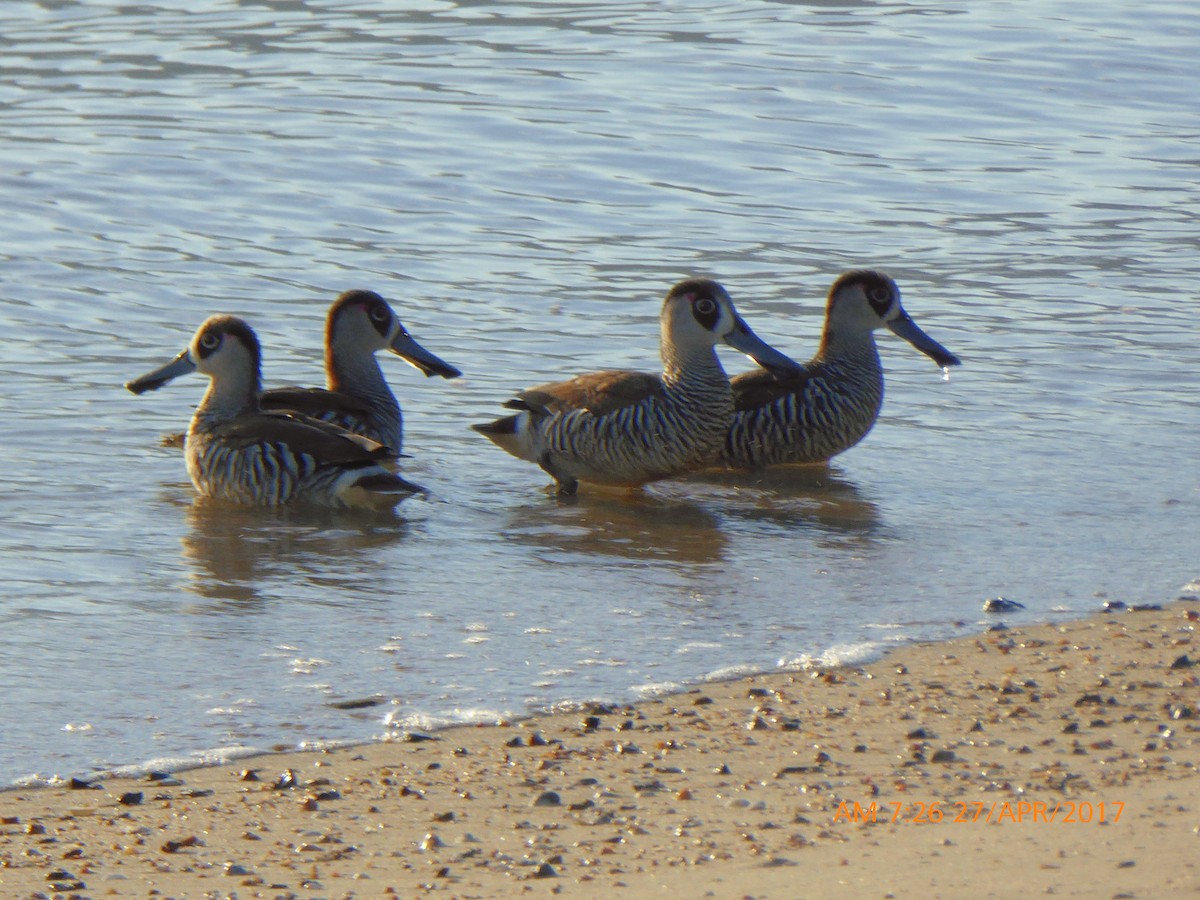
(525, 182)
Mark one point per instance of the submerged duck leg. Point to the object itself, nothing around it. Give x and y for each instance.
(566, 486)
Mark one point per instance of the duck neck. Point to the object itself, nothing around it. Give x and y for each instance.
(849, 345)
(230, 395)
(695, 370)
(357, 374)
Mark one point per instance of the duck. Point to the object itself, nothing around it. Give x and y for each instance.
(833, 400)
(356, 396)
(238, 451)
(624, 428)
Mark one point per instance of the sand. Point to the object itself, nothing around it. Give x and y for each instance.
(1054, 759)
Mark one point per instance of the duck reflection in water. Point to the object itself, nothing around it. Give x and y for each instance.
(639, 526)
(233, 550)
(817, 497)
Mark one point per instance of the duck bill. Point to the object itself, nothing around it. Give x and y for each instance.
(742, 338)
(414, 354)
(906, 328)
(152, 381)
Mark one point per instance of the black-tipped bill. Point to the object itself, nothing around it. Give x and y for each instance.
(152, 381)
(742, 338)
(413, 353)
(906, 328)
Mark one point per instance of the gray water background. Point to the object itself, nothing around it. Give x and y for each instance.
(525, 182)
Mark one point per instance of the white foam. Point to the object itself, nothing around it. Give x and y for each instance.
(196, 760)
(397, 721)
(694, 646)
(855, 654)
(729, 673)
(657, 689)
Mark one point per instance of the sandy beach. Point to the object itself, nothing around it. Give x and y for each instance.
(1054, 759)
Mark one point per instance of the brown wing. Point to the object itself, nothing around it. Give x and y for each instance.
(326, 443)
(599, 393)
(313, 402)
(758, 388)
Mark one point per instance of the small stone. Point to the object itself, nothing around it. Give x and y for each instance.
(357, 703)
(285, 781)
(130, 798)
(547, 798)
(1182, 662)
(432, 842)
(176, 846)
(236, 870)
(1001, 605)
(545, 870)
(943, 756)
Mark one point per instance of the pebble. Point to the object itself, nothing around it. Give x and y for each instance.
(1001, 605)
(431, 842)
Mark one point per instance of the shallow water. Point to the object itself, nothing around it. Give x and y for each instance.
(525, 182)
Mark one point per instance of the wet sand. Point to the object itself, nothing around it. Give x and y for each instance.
(1053, 759)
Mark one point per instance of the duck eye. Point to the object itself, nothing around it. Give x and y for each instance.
(210, 341)
(879, 294)
(379, 313)
(705, 306)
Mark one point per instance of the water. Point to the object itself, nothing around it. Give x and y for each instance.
(525, 182)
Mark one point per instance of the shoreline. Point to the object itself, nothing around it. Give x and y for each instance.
(1055, 758)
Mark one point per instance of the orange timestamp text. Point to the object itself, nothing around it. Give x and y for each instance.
(1066, 812)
